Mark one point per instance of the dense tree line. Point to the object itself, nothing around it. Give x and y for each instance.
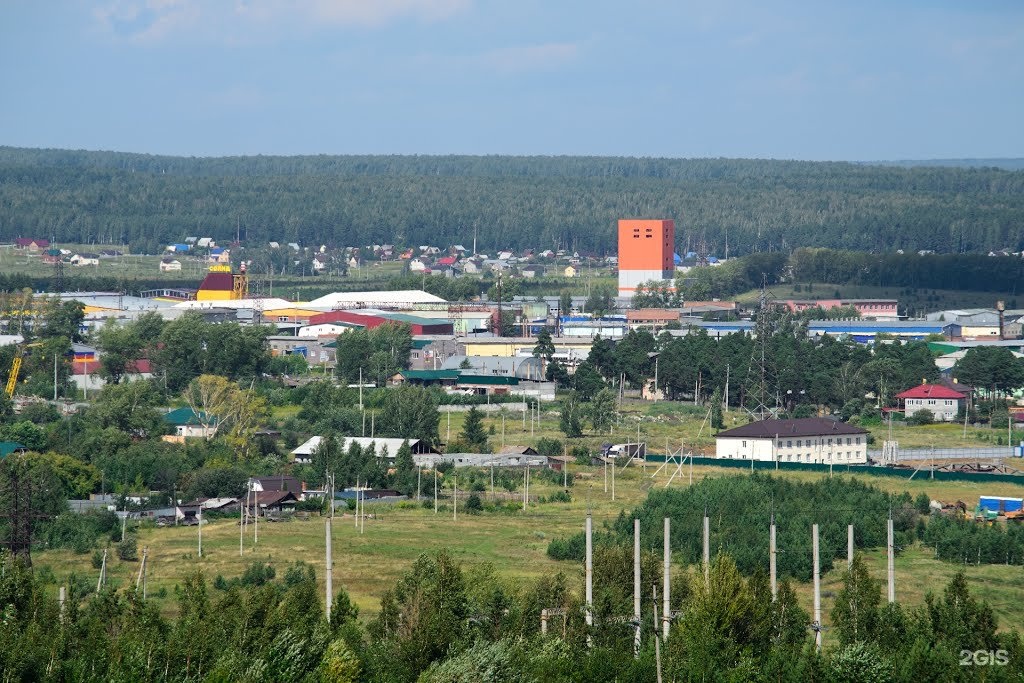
(442, 622)
(740, 509)
(572, 202)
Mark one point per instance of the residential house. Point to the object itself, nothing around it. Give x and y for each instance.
(417, 265)
(52, 256)
(168, 265)
(31, 243)
(206, 242)
(85, 260)
(276, 483)
(533, 271)
(8, 447)
(805, 440)
(188, 424)
(570, 271)
(942, 401)
(319, 263)
(303, 454)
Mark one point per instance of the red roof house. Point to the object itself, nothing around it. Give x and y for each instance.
(943, 402)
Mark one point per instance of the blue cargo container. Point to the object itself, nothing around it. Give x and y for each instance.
(1000, 504)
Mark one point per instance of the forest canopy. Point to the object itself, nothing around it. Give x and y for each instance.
(517, 202)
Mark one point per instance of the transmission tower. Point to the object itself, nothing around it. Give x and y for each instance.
(761, 393)
(58, 275)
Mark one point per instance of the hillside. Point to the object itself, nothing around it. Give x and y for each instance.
(572, 202)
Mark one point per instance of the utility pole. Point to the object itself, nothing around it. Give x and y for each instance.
(329, 570)
(817, 590)
(707, 548)
(772, 559)
(890, 554)
(435, 489)
(103, 572)
(613, 481)
(455, 497)
(524, 488)
(142, 572)
(657, 645)
(636, 586)
(199, 514)
(590, 572)
(666, 586)
(849, 546)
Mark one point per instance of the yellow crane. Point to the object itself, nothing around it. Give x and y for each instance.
(12, 378)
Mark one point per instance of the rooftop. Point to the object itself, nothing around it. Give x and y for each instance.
(806, 426)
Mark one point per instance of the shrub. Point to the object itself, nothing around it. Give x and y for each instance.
(128, 549)
(921, 417)
(474, 505)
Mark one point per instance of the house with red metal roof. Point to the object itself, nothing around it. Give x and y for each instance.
(942, 401)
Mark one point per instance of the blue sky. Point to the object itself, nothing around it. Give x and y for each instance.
(733, 78)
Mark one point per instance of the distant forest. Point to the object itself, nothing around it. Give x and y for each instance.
(513, 202)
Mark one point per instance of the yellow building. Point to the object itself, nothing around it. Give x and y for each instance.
(220, 284)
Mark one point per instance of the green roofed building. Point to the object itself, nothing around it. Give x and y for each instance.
(189, 424)
(8, 447)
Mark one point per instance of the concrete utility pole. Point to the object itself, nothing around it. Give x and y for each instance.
(435, 490)
(849, 546)
(666, 617)
(707, 549)
(772, 560)
(62, 596)
(524, 488)
(636, 586)
(657, 645)
(455, 497)
(329, 570)
(140, 580)
(590, 571)
(891, 557)
(199, 515)
(817, 590)
(103, 572)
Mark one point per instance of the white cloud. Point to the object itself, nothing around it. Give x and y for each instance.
(152, 21)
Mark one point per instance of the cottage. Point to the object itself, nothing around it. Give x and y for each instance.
(85, 260)
(570, 271)
(168, 265)
(804, 440)
(943, 402)
(189, 424)
(31, 243)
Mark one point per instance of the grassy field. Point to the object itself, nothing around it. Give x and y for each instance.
(675, 423)
(514, 543)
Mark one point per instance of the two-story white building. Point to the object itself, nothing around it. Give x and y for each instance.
(808, 440)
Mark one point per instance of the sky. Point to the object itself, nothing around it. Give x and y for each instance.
(816, 80)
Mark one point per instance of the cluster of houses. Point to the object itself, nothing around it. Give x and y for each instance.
(52, 254)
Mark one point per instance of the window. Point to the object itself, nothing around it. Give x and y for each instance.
(799, 443)
(848, 441)
(830, 441)
(744, 444)
(858, 440)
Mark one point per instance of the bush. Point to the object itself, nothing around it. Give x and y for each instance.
(474, 505)
(257, 574)
(128, 549)
(921, 417)
(549, 447)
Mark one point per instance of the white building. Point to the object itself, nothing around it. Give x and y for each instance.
(942, 402)
(806, 440)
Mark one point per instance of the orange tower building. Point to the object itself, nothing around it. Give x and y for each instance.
(646, 252)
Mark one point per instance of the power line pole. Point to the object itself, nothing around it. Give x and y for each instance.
(707, 549)
(849, 546)
(666, 586)
(590, 572)
(817, 590)
(435, 489)
(636, 586)
(329, 570)
(772, 559)
(891, 560)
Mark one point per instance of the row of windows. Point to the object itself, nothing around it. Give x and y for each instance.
(818, 442)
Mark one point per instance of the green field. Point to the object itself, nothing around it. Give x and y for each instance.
(514, 543)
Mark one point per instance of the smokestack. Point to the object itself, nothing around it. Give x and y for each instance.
(1001, 308)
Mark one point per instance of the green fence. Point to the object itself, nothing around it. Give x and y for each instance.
(870, 470)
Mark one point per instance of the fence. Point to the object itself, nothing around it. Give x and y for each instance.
(870, 470)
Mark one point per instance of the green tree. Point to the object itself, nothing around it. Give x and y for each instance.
(410, 413)
(121, 347)
(473, 433)
(570, 419)
(405, 469)
(855, 611)
(602, 410)
(717, 420)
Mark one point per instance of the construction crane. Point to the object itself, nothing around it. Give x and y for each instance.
(12, 378)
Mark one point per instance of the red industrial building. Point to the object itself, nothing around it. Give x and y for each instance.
(373, 319)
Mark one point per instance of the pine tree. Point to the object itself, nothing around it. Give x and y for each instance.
(473, 432)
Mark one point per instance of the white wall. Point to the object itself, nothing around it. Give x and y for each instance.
(816, 449)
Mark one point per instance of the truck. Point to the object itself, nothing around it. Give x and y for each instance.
(628, 450)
